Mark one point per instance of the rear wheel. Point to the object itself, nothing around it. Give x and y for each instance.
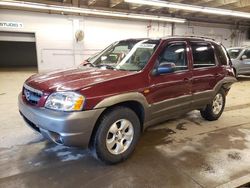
(117, 135)
(214, 110)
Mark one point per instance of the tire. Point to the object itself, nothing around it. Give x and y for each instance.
(214, 110)
(112, 148)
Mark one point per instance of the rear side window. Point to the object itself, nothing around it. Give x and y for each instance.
(221, 55)
(203, 55)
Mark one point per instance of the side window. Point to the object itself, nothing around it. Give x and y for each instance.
(222, 55)
(203, 55)
(247, 53)
(175, 53)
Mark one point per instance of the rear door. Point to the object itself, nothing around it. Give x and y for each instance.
(171, 92)
(205, 72)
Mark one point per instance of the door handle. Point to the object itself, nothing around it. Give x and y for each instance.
(186, 79)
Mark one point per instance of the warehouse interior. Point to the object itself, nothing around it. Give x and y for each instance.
(44, 36)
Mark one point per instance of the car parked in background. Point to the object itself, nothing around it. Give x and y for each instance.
(240, 57)
(106, 103)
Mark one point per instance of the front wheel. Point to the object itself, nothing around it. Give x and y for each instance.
(117, 135)
(214, 110)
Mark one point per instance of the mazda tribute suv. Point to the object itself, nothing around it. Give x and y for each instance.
(107, 102)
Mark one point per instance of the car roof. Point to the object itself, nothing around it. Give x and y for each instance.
(197, 38)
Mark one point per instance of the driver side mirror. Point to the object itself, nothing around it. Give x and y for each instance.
(164, 68)
(243, 57)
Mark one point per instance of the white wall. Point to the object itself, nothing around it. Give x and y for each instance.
(244, 38)
(55, 34)
(219, 34)
(100, 32)
(52, 35)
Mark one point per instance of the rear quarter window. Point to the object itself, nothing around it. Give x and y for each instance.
(222, 55)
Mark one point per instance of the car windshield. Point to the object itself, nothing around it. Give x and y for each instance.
(234, 52)
(128, 55)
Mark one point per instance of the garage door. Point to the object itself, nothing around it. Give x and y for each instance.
(18, 50)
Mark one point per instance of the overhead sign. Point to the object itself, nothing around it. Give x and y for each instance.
(11, 24)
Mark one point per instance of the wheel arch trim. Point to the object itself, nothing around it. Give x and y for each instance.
(126, 97)
(131, 96)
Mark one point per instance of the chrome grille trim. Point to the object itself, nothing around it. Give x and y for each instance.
(32, 89)
(32, 95)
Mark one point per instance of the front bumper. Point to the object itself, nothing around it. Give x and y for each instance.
(66, 128)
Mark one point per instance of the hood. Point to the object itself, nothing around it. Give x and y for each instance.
(73, 79)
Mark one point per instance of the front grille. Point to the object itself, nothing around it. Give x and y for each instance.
(32, 95)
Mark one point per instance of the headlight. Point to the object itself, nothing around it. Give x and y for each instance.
(65, 101)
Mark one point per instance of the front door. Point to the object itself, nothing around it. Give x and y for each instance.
(171, 92)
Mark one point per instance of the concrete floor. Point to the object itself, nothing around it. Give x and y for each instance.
(185, 152)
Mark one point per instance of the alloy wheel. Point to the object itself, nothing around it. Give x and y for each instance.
(119, 136)
(217, 103)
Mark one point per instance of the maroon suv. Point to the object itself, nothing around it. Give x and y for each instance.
(112, 97)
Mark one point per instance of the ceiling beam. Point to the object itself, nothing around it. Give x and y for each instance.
(217, 3)
(91, 2)
(236, 4)
(195, 2)
(212, 3)
(113, 3)
(134, 6)
(242, 4)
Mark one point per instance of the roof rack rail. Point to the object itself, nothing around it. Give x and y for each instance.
(193, 36)
(203, 37)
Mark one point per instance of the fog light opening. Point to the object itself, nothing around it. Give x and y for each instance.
(57, 138)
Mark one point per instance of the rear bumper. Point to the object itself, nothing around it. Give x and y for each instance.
(66, 128)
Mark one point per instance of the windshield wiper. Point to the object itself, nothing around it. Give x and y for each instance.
(88, 63)
(105, 65)
(127, 70)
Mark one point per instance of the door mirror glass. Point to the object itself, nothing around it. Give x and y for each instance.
(164, 68)
(243, 57)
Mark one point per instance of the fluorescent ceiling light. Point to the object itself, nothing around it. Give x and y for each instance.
(188, 7)
(40, 6)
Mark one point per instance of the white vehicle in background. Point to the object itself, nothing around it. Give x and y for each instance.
(240, 57)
